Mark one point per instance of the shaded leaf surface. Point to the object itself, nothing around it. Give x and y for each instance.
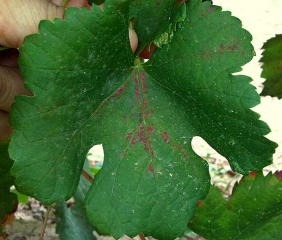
(254, 211)
(88, 90)
(95, 1)
(73, 223)
(8, 200)
(272, 67)
(155, 19)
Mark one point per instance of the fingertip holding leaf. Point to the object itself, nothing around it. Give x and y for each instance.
(133, 39)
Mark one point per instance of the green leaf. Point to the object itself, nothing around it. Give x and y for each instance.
(96, 1)
(78, 70)
(155, 20)
(254, 211)
(22, 198)
(73, 223)
(8, 200)
(3, 48)
(272, 67)
(196, 71)
(88, 91)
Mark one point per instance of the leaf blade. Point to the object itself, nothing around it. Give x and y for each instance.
(271, 68)
(165, 172)
(65, 89)
(248, 214)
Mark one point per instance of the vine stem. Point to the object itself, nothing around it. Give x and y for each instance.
(187, 237)
(131, 23)
(45, 223)
(87, 176)
(64, 3)
(141, 236)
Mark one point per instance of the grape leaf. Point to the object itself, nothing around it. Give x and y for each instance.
(272, 67)
(78, 68)
(155, 20)
(89, 90)
(254, 211)
(196, 68)
(73, 223)
(8, 200)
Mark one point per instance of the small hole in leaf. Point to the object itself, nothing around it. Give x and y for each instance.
(203, 149)
(220, 171)
(217, 163)
(96, 158)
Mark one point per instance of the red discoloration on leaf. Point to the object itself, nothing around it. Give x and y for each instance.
(136, 82)
(147, 114)
(279, 175)
(129, 136)
(179, 147)
(233, 47)
(200, 203)
(223, 48)
(150, 129)
(144, 137)
(253, 174)
(208, 10)
(142, 75)
(165, 137)
(119, 91)
(133, 141)
(150, 168)
(180, 1)
(143, 132)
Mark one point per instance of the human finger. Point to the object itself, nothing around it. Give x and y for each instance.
(9, 57)
(19, 18)
(133, 39)
(11, 84)
(72, 3)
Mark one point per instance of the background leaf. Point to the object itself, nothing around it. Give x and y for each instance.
(254, 211)
(272, 67)
(73, 223)
(96, 1)
(153, 18)
(8, 200)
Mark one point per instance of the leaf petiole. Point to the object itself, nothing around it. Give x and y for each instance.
(45, 222)
(64, 3)
(87, 176)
